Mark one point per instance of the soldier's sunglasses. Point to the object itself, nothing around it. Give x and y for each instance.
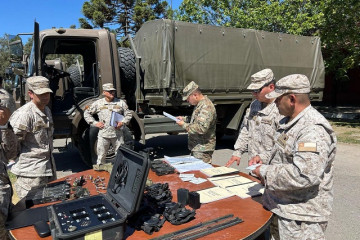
(260, 89)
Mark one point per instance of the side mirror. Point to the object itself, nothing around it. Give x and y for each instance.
(16, 51)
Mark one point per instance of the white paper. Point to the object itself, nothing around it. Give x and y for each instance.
(170, 116)
(247, 190)
(233, 181)
(180, 160)
(198, 180)
(219, 171)
(213, 194)
(252, 167)
(186, 175)
(192, 166)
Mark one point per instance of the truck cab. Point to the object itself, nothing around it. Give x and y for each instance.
(77, 63)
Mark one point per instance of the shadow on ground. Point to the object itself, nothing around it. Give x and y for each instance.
(176, 145)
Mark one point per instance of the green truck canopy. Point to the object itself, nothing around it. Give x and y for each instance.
(222, 59)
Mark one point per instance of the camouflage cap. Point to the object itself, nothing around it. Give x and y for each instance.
(108, 87)
(295, 83)
(189, 89)
(39, 85)
(259, 79)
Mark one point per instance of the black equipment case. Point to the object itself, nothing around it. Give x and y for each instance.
(103, 216)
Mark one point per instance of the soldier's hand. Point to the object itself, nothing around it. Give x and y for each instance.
(180, 118)
(256, 171)
(100, 125)
(4, 115)
(119, 125)
(255, 160)
(233, 159)
(180, 123)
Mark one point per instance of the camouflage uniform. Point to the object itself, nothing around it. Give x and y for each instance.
(34, 129)
(201, 128)
(10, 102)
(299, 177)
(8, 150)
(108, 134)
(257, 130)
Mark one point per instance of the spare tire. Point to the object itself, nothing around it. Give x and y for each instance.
(127, 70)
(75, 75)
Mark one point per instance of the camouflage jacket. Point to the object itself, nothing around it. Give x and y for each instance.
(8, 150)
(257, 131)
(202, 127)
(299, 177)
(34, 130)
(104, 109)
(9, 104)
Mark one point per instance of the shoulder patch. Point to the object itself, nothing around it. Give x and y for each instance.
(22, 127)
(307, 147)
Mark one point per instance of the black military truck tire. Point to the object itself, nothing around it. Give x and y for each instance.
(88, 138)
(75, 75)
(127, 71)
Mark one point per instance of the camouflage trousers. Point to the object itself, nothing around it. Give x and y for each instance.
(205, 156)
(5, 200)
(3, 232)
(103, 145)
(24, 184)
(282, 228)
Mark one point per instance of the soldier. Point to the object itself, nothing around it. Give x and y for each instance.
(299, 177)
(104, 108)
(33, 125)
(8, 149)
(257, 130)
(202, 126)
(10, 102)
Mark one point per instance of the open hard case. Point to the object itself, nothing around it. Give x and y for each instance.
(103, 216)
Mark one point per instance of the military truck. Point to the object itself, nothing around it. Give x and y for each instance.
(163, 57)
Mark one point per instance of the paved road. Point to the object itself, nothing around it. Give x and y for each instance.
(344, 223)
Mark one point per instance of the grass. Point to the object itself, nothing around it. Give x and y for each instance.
(347, 132)
(12, 177)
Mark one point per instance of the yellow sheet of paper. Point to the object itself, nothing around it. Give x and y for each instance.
(97, 235)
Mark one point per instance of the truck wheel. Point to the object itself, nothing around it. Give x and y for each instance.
(88, 138)
(75, 75)
(127, 70)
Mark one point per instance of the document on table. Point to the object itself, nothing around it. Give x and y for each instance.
(213, 194)
(179, 160)
(218, 171)
(186, 164)
(115, 118)
(170, 116)
(247, 190)
(231, 181)
(191, 166)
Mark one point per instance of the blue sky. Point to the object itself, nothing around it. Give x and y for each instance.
(18, 16)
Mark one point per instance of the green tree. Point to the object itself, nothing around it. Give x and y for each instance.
(287, 16)
(4, 54)
(340, 35)
(122, 16)
(337, 22)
